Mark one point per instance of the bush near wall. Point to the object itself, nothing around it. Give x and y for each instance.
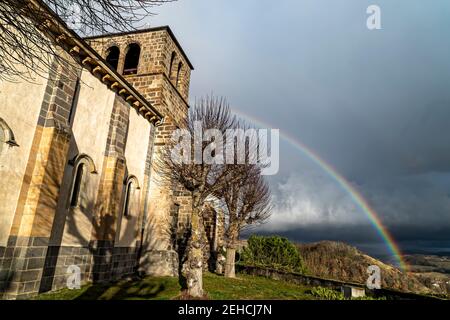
(272, 252)
(330, 294)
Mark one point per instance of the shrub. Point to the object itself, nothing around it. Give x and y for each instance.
(327, 294)
(370, 298)
(273, 252)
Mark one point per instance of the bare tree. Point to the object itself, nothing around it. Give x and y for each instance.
(29, 29)
(246, 200)
(200, 178)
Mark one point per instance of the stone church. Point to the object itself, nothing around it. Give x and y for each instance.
(76, 149)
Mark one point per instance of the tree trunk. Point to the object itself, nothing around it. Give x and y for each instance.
(230, 271)
(233, 235)
(220, 261)
(193, 268)
(219, 267)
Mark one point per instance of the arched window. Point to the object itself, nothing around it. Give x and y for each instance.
(83, 165)
(172, 60)
(132, 185)
(113, 57)
(132, 59)
(180, 67)
(76, 189)
(128, 197)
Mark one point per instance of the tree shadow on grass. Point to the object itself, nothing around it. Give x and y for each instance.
(142, 290)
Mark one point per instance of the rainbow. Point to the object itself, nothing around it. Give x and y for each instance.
(356, 196)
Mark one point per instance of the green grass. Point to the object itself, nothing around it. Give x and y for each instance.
(253, 288)
(163, 288)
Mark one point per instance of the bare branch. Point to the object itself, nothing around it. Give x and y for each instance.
(201, 178)
(28, 48)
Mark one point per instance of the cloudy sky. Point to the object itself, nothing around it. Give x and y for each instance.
(374, 104)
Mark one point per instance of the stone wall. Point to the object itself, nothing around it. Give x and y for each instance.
(75, 119)
(35, 210)
(20, 112)
(168, 91)
(46, 235)
(329, 283)
(99, 262)
(22, 262)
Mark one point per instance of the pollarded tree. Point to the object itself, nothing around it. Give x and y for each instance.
(28, 49)
(246, 200)
(194, 160)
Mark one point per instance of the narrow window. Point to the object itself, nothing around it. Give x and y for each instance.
(73, 107)
(128, 197)
(74, 199)
(132, 59)
(172, 60)
(113, 57)
(2, 139)
(180, 66)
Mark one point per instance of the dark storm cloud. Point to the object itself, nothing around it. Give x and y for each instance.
(364, 237)
(364, 234)
(374, 104)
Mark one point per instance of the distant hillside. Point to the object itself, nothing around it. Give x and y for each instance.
(343, 262)
(428, 263)
(432, 270)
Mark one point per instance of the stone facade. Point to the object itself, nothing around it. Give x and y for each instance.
(78, 187)
(163, 78)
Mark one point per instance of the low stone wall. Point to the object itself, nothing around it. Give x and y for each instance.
(22, 261)
(295, 277)
(28, 266)
(98, 263)
(329, 283)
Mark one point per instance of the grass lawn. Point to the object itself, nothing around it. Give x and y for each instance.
(217, 287)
